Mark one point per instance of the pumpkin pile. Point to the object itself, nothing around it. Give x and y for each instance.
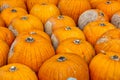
(59, 39)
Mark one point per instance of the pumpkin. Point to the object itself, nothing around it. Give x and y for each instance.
(11, 3)
(95, 29)
(73, 8)
(90, 16)
(105, 66)
(44, 11)
(64, 67)
(2, 23)
(77, 46)
(28, 22)
(109, 7)
(65, 33)
(56, 22)
(31, 3)
(109, 41)
(17, 72)
(30, 50)
(6, 35)
(10, 13)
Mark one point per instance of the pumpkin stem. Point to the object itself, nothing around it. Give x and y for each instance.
(61, 59)
(60, 17)
(68, 28)
(115, 57)
(29, 39)
(108, 2)
(13, 10)
(32, 32)
(102, 24)
(12, 69)
(101, 14)
(24, 18)
(76, 41)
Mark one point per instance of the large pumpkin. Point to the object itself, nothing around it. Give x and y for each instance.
(10, 13)
(90, 16)
(95, 29)
(27, 22)
(105, 66)
(77, 46)
(65, 33)
(73, 8)
(17, 72)
(64, 67)
(56, 22)
(31, 50)
(44, 11)
(2, 23)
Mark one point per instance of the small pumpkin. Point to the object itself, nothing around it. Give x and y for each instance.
(90, 16)
(28, 22)
(94, 30)
(105, 66)
(65, 33)
(31, 50)
(17, 72)
(56, 22)
(10, 13)
(2, 23)
(64, 67)
(77, 46)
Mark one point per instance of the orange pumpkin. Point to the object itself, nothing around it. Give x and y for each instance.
(65, 33)
(6, 35)
(10, 13)
(109, 41)
(28, 22)
(77, 46)
(95, 29)
(31, 50)
(17, 72)
(109, 7)
(73, 8)
(44, 11)
(56, 22)
(64, 67)
(90, 16)
(2, 23)
(105, 66)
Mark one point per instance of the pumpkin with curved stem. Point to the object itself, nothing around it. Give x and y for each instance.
(56, 22)
(31, 50)
(13, 72)
(77, 46)
(2, 23)
(10, 13)
(64, 67)
(90, 16)
(65, 33)
(95, 29)
(105, 66)
(42, 10)
(28, 22)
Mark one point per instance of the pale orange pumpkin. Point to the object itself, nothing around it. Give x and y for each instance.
(77, 46)
(10, 13)
(73, 8)
(28, 22)
(2, 23)
(31, 50)
(56, 22)
(17, 72)
(44, 11)
(95, 29)
(90, 16)
(64, 67)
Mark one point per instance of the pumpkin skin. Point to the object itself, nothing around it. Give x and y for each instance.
(28, 22)
(32, 49)
(71, 67)
(65, 33)
(74, 10)
(56, 22)
(77, 46)
(2, 23)
(90, 16)
(105, 66)
(109, 7)
(10, 13)
(109, 41)
(95, 29)
(6, 35)
(13, 72)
